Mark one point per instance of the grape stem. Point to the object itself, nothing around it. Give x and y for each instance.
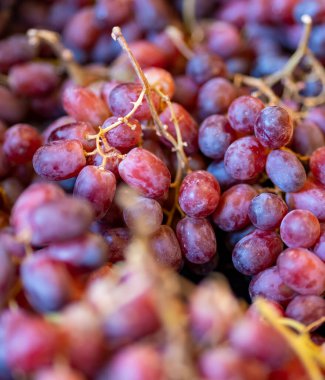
(178, 39)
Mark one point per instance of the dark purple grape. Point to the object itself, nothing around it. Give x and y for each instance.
(118, 239)
(199, 194)
(256, 252)
(245, 158)
(269, 284)
(317, 165)
(285, 170)
(197, 240)
(59, 160)
(273, 127)
(215, 96)
(302, 271)
(97, 186)
(243, 112)
(266, 211)
(232, 211)
(186, 91)
(218, 170)
(146, 173)
(307, 137)
(215, 136)
(204, 66)
(300, 228)
(306, 309)
(21, 142)
(165, 247)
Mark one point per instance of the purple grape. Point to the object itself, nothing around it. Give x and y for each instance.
(317, 164)
(319, 248)
(307, 137)
(7, 274)
(317, 116)
(306, 309)
(186, 91)
(232, 238)
(12, 109)
(218, 170)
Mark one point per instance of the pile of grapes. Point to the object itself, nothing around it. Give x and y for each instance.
(162, 190)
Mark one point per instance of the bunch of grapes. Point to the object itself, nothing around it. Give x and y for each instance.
(135, 163)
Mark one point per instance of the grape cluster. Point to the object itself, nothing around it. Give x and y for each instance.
(133, 166)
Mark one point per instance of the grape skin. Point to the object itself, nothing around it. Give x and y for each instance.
(319, 248)
(317, 164)
(306, 309)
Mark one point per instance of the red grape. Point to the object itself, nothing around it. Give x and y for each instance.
(59, 372)
(218, 170)
(60, 122)
(7, 272)
(12, 108)
(112, 12)
(317, 164)
(186, 91)
(317, 115)
(319, 248)
(307, 137)
(232, 238)
(153, 15)
(118, 239)
(161, 79)
(306, 309)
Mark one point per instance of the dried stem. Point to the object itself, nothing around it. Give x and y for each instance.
(178, 39)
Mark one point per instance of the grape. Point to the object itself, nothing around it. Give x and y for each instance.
(293, 369)
(123, 95)
(243, 112)
(187, 127)
(285, 170)
(113, 158)
(306, 309)
(37, 339)
(34, 196)
(124, 136)
(199, 194)
(202, 270)
(314, 8)
(60, 122)
(59, 372)
(83, 105)
(34, 79)
(148, 211)
(215, 96)
(197, 240)
(269, 284)
(186, 91)
(82, 30)
(215, 136)
(317, 116)
(10, 244)
(140, 361)
(89, 251)
(146, 173)
(165, 43)
(165, 247)
(161, 79)
(232, 238)
(204, 66)
(4, 163)
(316, 41)
(245, 338)
(112, 12)
(307, 137)
(273, 127)
(256, 252)
(59, 160)
(245, 158)
(218, 170)
(317, 164)
(300, 228)
(97, 186)
(3, 129)
(153, 15)
(118, 240)
(266, 211)
(224, 363)
(282, 11)
(223, 39)
(21, 142)
(233, 12)
(302, 271)
(7, 272)
(232, 211)
(46, 283)
(311, 197)
(64, 218)
(75, 131)
(319, 248)
(12, 109)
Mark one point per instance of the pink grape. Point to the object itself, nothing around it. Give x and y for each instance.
(146, 173)
(300, 228)
(197, 240)
(306, 309)
(160, 79)
(113, 159)
(11, 244)
(199, 194)
(245, 158)
(302, 271)
(273, 127)
(232, 211)
(97, 186)
(307, 137)
(59, 160)
(60, 372)
(317, 164)
(256, 252)
(60, 122)
(319, 247)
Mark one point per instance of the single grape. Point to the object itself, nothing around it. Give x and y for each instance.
(153, 15)
(306, 309)
(243, 112)
(215, 136)
(307, 137)
(59, 160)
(273, 127)
(113, 158)
(160, 79)
(269, 284)
(285, 170)
(245, 158)
(233, 12)
(60, 122)
(186, 91)
(199, 194)
(118, 239)
(266, 211)
(75, 131)
(317, 164)
(232, 211)
(21, 142)
(218, 170)
(146, 173)
(112, 12)
(300, 228)
(197, 240)
(256, 252)
(302, 271)
(317, 116)
(97, 186)
(319, 247)
(187, 126)
(233, 237)
(313, 8)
